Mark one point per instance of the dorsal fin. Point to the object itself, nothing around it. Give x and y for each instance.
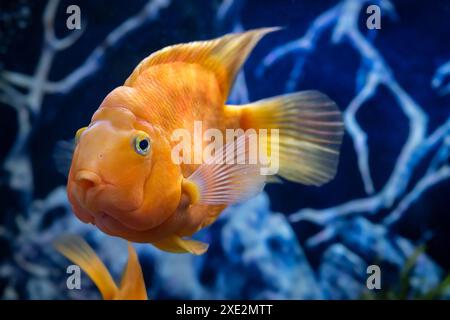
(224, 56)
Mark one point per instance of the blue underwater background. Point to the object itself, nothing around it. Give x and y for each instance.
(388, 205)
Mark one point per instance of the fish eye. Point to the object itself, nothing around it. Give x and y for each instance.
(142, 144)
(78, 134)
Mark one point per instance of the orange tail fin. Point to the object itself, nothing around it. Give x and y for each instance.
(132, 285)
(310, 133)
(79, 252)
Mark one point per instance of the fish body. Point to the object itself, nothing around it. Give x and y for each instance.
(123, 177)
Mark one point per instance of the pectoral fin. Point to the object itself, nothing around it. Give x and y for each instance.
(225, 179)
(62, 155)
(176, 244)
(191, 189)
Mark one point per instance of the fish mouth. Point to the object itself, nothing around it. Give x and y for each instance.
(97, 201)
(87, 179)
(87, 184)
(92, 195)
(114, 223)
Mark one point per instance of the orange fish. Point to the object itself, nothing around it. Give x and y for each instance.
(132, 286)
(123, 178)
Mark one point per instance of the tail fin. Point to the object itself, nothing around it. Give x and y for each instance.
(132, 285)
(224, 56)
(79, 252)
(310, 133)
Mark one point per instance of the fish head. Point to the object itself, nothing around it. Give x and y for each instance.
(122, 172)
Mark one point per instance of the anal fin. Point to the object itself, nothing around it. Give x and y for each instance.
(176, 244)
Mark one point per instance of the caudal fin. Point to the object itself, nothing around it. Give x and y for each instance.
(132, 285)
(79, 252)
(310, 133)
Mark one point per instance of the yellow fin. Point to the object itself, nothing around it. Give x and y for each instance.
(310, 133)
(176, 244)
(132, 285)
(192, 190)
(224, 56)
(79, 252)
(229, 177)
